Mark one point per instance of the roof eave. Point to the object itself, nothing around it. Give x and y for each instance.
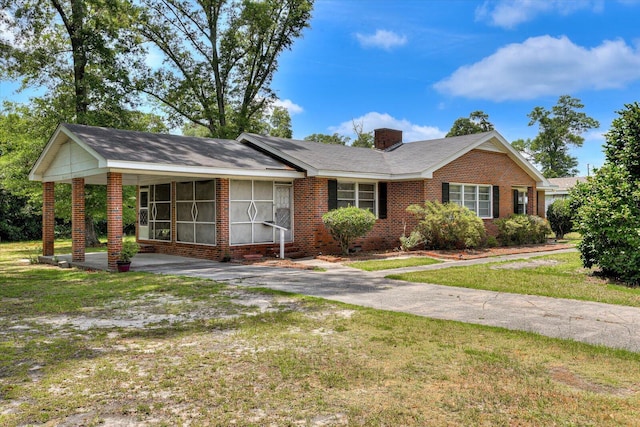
(174, 170)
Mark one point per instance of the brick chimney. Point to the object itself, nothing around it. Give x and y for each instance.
(385, 138)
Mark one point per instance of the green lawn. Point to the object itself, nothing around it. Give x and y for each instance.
(559, 275)
(73, 351)
(386, 264)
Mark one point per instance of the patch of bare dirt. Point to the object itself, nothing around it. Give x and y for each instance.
(563, 375)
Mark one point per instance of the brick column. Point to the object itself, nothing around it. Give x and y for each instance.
(222, 215)
(114, 218)
(48, 218)
(77, 220)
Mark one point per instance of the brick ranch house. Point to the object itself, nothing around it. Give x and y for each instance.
(213, 198)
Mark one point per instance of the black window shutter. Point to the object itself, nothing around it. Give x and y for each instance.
(496, 201)
(333, 194)
(445, 192)
(515, 201)
(382, 200)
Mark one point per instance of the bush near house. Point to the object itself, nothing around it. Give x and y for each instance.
(347, 224)
(522, 230)
(560, 217)
(448, 226)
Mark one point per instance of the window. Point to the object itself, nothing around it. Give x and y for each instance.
(520, 201)
(476, 198)
(196, 212)
(362, 195)
(160, 212)
(250, 204)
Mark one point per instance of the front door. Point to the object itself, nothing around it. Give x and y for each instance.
(283, 214)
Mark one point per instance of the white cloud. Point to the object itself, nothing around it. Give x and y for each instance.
(373, 120)
(289, 105)
(510, 13)
(382, 38)
(544, 66)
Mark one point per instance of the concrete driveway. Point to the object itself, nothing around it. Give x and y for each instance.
(594, 323)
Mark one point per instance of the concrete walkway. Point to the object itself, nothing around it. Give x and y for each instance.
(590, 322)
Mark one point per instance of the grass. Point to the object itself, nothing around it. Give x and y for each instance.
(558, 275)
(375, 265)
(296, 361)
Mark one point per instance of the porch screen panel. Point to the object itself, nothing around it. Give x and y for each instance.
(250, 204)
(196, 212)
(160, 212)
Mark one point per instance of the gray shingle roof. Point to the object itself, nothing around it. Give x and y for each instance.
(565, 184)
(144, 147)
(414, 157)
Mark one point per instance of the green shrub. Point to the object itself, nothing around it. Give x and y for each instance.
(609, 220)
(409, 242)
(522, 230)
(448, 226)
(609, 203)
(560, 217)
(347, 224)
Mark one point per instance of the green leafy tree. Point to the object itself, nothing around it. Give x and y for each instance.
(609, 203)
(363, 139)
(448, 225)
(477, 122)
(219, 58)
(82, 53)
(560, 129)
(560, 217)
(278, 123)
(79, 50)
(347, 224)
(335, 139)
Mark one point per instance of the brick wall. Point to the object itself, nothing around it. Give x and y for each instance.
(310, 202)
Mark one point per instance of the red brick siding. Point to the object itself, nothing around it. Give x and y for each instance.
(77, 220)
(48, 218)
(310, 202)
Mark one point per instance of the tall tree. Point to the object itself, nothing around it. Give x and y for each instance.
(477, 122)
(560, 129)
(219, 58)
(81, 51)
(278, 123)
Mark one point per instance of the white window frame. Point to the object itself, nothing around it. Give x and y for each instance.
(476, 200)
(356, 200)
(194, 214)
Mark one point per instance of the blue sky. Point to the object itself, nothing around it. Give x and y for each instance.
(418, 65)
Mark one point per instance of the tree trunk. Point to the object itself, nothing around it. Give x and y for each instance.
(90, 237)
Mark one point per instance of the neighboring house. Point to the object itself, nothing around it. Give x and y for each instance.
(560, 189)
(213, 198)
